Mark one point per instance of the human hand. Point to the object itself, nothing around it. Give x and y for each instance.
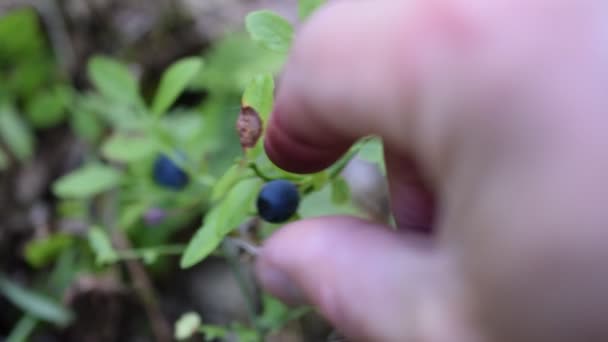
(493, 115)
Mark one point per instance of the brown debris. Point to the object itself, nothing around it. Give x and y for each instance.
(249, 127)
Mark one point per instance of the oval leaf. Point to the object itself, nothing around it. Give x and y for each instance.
(221, 220)
(102, 246)
(259, 95)
(174, 81)
(113, 80)
(15, 133)
(87, 181)
(128, 149)
(187, 325)
(35, 304)
(270, 29)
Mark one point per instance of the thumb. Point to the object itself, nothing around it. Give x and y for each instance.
(371, 283)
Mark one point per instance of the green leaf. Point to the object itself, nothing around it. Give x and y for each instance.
(102, 246)
(213, 332)
(86, 125)
(174, 81)
(86, 182)
(35, 304)
(48, 107)
(23, 329)
(270, 29)
(340, 191)
(187, 325)
(127, 149)
(227, 181)
(319, 203)
(259, 95)
(221, 220)
(372, 151)
(307, 7)
(15, 133)
(113, 80)
(131, 213)
(40, 252)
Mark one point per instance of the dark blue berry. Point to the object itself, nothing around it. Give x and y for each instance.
(278, 201)
(168, 174)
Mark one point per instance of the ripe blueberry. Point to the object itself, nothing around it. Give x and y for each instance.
(278, 201)
(168, 174)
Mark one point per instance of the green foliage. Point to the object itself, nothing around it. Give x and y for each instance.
(124, 131)
(187, 325)
(35, 304)
(259, 95)
(47, 108)
(102, 246)
(86, 182)
(307, 7)
(174, 81)
(340, 193)
(128, 148)
(270, 30)
(41, 252)
(221, 220)
(15, 133)
(113, 80)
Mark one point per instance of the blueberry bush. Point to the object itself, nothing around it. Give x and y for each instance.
(153, 165)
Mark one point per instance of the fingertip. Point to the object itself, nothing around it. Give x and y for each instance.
(295, 153)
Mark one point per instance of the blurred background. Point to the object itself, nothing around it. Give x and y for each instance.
(95, 256)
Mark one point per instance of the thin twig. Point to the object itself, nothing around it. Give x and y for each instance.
(235, 265)
(141, 281)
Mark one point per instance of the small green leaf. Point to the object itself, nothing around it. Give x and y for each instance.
(220, 221)
(113, 80)
(174, 81)
(340, 192)
(23, 329)
(34, 303)
(88, 181)
(187, 325)
(149, 256)
(307, 7)
(127, 149)
(49, 107)
(86, 124)
(40, 252)
(213, 332)
(15, 133)
(102, 246)
(259, 94)
(131, 213)
(270, 29)
(227, 181)
(372, 151)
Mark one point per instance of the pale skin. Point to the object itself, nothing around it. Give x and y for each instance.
(494, 115)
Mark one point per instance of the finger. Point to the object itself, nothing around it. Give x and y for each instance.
(372, 284)
(350, 75)
(412, 202)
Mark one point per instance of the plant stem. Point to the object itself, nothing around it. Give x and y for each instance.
(254, 167)
(245, 290)
(141, 281)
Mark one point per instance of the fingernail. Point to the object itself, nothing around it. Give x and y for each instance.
(279, 284)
